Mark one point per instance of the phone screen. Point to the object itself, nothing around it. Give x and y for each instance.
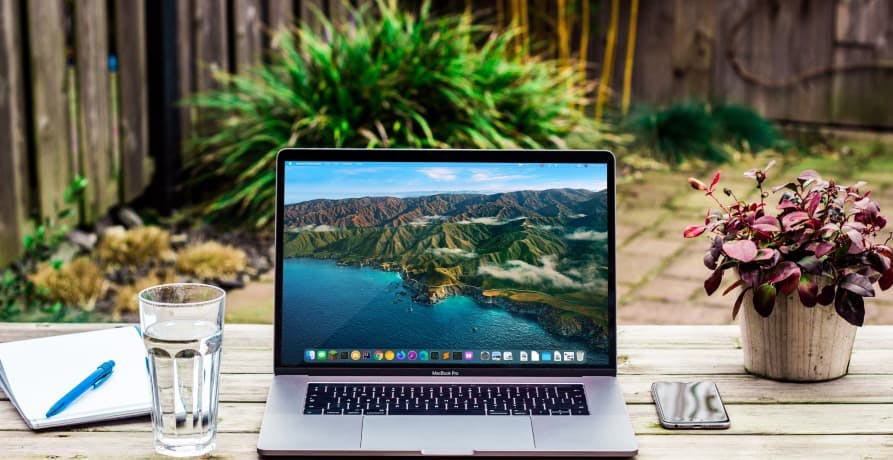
(689, 402)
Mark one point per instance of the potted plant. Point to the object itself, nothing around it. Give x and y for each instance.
(804, 264)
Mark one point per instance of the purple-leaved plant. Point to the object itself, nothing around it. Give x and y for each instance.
(820, 239)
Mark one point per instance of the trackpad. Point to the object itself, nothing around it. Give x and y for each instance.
(448, 434)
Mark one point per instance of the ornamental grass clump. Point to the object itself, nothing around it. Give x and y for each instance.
(211, 261)
(819, 239)
(76, 284)
(134, 247)
(126, 299)
(384, 78)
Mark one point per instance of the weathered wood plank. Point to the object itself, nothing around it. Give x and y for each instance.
(727, 85)
(735, 389)
(130, 37)
(280, 13)
(55, 165)
(248, 37)
(211, 42)
(186, 65)
(776, 42)
(678, 446)
(628, 337)
(748, 389)
(211, 45)
(692, 49)
(639, 361)
(725, 336)
(310, 9)
(73, 444)
(863, 35)
(14, 188)
(94, 110)
(232, 418)
(642, 362)
(698, 361)
(783, 419)
(694, 447)
(235, 335)
(653, 80)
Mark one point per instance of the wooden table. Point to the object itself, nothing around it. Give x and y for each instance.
(851, 417)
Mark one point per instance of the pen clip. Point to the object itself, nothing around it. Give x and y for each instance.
(102, 378)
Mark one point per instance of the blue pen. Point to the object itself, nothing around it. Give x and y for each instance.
(94, 380)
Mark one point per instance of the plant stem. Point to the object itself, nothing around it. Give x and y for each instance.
(719, 203)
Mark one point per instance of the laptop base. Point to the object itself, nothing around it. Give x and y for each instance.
(286, 430)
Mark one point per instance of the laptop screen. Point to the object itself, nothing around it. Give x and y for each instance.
(388, 264)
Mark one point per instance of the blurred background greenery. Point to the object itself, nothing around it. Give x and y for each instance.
(137, 138)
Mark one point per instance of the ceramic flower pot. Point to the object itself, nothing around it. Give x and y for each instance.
(796, 343)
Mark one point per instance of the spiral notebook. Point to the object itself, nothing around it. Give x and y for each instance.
(35, 373)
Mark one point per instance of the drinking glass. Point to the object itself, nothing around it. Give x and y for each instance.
(182, 326)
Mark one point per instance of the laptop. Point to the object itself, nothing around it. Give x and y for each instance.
(445, 302)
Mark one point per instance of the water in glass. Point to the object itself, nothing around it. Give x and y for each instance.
(184, 358)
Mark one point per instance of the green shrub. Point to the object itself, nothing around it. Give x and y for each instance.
(18, 293)
(678, 132)
(698, 131)
(384, 79)
(744, 127)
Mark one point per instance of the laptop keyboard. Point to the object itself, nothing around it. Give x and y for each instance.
(449, 399)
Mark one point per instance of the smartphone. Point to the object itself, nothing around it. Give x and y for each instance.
(689, 406)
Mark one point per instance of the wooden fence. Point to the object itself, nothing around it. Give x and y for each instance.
(65, 113)
(828, 62)
(91, 87)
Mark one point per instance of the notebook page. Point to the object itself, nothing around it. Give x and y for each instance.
(40, 371)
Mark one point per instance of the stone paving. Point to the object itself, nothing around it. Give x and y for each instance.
(660, 275)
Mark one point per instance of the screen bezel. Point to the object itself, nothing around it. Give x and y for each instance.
(449, 156)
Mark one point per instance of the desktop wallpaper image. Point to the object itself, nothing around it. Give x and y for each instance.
(421, 256)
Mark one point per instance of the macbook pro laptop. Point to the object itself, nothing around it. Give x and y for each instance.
(445, 302)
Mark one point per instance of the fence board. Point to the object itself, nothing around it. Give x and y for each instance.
(692, 48)
(280, 13)
(94, 120)
(248, 36)
(727, 85)
(52, 154)
(130, 33)
(14, 188)
(211, 42)
(653, 79)
(778, 42)
(186, 65)
(863, 34)
(309, 11)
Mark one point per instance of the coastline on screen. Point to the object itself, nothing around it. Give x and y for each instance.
(471, 263)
